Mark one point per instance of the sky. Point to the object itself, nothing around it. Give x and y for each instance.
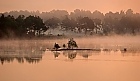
(69, 5)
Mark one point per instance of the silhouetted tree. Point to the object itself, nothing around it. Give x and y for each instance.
(21, 26)
(52, 23)
(34, 24)
(21, 30)
(86, 23)
(66, 23)
(14, 24)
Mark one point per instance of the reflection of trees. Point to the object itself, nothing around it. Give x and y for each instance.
(29, 59)
(85, 55)
(31, 53)
(10, 58)
(132, 53)
(6, 59)
(33, 59)
(20, 59)
(2, 60)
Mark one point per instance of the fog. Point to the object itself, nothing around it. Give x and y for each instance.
(29, 58)
(106, 42)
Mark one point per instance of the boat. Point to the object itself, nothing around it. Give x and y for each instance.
(77, 49)
(72, 46)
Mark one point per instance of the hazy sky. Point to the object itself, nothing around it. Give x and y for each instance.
(70, 5)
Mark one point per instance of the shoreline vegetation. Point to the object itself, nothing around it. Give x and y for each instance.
(61, 24)
(55, 37)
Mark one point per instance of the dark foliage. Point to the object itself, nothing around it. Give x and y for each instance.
(13, 24)
(11, 27)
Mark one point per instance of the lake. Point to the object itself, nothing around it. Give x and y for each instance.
(30, 60)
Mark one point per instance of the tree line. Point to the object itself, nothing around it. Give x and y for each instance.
(25, 23)
(21, 26)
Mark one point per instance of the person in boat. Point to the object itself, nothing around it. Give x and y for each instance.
(72, 44)
(125, 49)
(56, 46)
(64, 46)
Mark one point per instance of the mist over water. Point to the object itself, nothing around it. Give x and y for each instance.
(32, 60)
(66, 45)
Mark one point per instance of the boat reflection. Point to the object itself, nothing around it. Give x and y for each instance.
(87, 54)
(56, 54)
(72, 54)
(33, 55)
(68, 54)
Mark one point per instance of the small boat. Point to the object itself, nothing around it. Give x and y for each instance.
(76, 49)
(72, 45)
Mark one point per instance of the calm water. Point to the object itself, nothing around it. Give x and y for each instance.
(24, 62)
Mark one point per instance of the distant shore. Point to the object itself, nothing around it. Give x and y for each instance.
(66, 37)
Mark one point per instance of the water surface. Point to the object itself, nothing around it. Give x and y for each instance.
(30, 61)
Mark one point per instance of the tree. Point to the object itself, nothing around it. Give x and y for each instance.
(52, 23)
(86, 22)
(2, 25)
(8, 26)
(97, 15)
(21, 30)
(34, 24)
(108, 25)
(129, 12)
(66, 23)
(130, 24)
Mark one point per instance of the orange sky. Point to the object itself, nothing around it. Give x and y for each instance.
(70, 5)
